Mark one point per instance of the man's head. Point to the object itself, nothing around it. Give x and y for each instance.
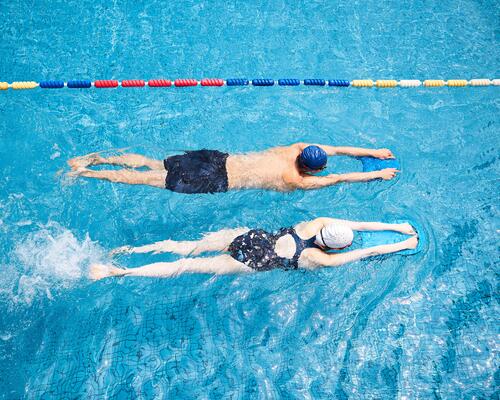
(312, 158)
(335, 236)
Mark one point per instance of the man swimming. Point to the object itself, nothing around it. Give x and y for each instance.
(210, 171)
(309, 245)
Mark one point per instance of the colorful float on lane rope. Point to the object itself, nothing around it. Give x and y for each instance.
(140, 83)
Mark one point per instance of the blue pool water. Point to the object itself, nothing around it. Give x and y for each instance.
(424, 326)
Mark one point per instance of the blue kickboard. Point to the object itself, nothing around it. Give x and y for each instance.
(377, 238)
(376, 164)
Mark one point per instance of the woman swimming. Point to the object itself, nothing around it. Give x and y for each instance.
(307, 245)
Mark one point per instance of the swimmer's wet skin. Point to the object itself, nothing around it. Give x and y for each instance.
(309, 245)
(209, 171)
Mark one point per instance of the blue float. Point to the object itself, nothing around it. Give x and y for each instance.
(314, 82)
(79, 84)
(378, 238)
(338, 82)
(263, 82)
(289, 82)
(236, 82)
(376, 164)
(52, 84)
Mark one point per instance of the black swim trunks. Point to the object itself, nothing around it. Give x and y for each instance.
(201, 171)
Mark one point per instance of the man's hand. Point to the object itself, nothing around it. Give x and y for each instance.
(383, 154)
(387, 174)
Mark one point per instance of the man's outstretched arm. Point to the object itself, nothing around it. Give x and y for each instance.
(351, 151)
(316, 182)
(358, 152)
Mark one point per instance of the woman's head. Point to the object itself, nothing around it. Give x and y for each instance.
(335, 236)
(312, 158)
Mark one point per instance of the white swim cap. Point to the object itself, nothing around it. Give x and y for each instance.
(335, 236)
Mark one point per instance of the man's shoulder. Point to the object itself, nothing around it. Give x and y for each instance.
(289, 147)
(292, 151)
(292, 176)
(297, 146)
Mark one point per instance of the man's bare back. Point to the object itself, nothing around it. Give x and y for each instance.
(266, 169)
(209, 171)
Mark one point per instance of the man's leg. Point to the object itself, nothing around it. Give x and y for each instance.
(129, 160)
(150, 178)
(134, 161)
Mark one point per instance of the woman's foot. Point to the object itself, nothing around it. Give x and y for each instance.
(121, 250)
(101, 271)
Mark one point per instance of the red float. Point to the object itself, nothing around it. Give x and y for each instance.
(185, 82)
(159, 83)
(106, 83)
(212, 82)
(133, 83)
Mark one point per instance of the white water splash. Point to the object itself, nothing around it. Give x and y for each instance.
(50, 260)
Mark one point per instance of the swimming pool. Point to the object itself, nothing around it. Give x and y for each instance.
(399, 327)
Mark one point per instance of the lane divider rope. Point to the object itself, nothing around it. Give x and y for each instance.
(133, 83)
(79, 84)
(105, 83)
(159, 83)
(217, 82)
(23, 85)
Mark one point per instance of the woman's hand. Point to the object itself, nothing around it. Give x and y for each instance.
(411, 243)
(406, 229)
(383, 154)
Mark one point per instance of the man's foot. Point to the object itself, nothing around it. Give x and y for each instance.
(75, 173)
(85, 161)
(101, 271)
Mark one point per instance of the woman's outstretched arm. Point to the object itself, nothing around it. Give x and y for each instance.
(214, 241)
(404, 228)
(321, 259)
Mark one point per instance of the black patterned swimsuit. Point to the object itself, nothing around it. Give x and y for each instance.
(256, 249)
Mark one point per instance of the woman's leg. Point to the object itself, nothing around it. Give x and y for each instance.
(150, 178)
(214, 241)
(218, 265)
(129, 160)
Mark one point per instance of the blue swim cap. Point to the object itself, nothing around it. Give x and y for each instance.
(313, 157)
